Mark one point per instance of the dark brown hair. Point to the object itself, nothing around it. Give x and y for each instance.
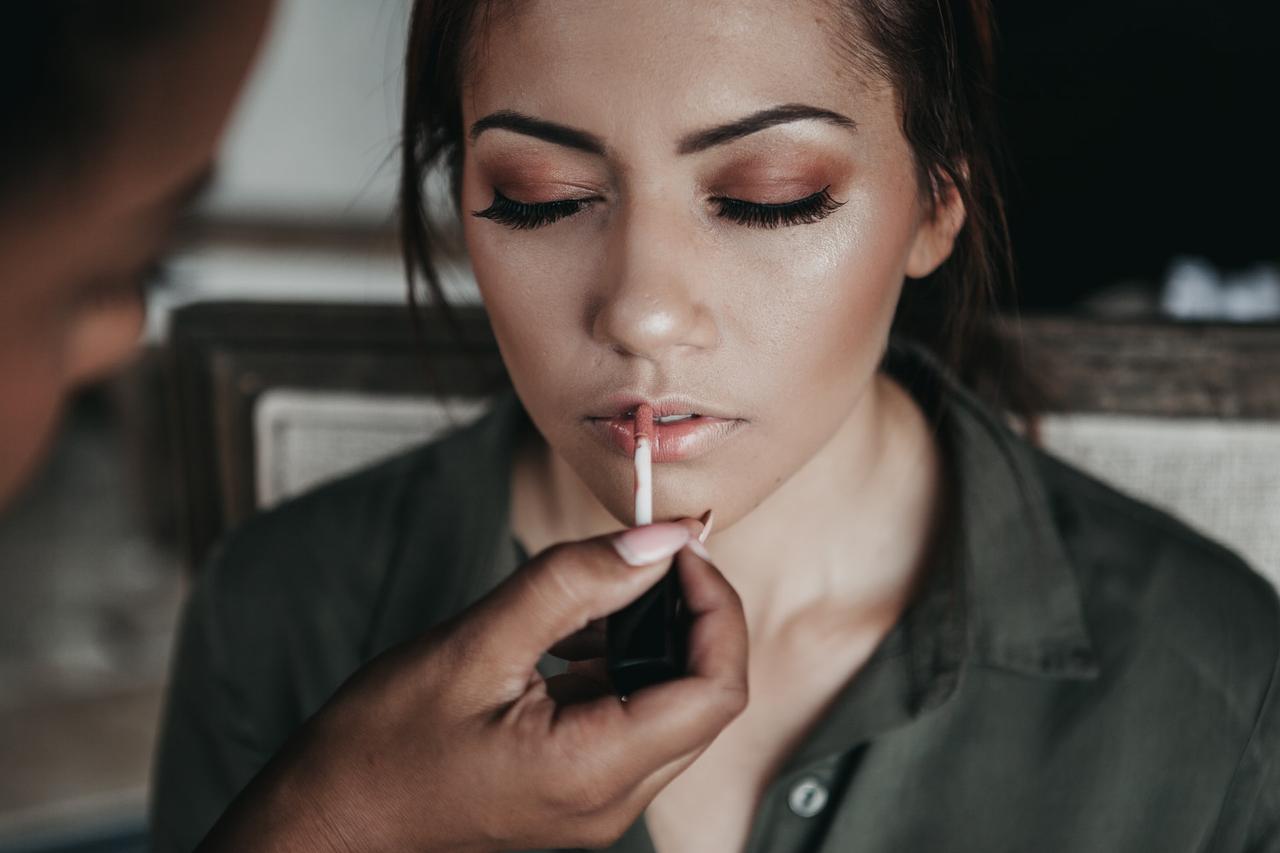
(937, 54)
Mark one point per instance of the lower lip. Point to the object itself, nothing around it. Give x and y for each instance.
(672, 442)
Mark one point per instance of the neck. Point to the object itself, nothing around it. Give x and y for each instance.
(847, 535)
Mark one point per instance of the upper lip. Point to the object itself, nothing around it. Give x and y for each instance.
(624, 405)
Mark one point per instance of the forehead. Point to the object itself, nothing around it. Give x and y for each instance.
(659, 67)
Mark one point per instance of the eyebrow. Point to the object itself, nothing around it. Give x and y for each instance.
(559, 134)
(703, 139)
(581, 140)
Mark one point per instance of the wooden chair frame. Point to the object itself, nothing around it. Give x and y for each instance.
(222, 356)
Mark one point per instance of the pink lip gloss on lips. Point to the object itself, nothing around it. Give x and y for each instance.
(647, 640)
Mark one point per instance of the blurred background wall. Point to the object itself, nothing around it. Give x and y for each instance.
(314, 138)
(1140, 132)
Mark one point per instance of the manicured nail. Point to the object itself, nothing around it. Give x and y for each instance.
(708, 518)
(644, 546)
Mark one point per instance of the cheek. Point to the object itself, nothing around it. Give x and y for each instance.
(820, 309)
(536, 288)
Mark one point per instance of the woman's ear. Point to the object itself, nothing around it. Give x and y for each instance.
(936, 233)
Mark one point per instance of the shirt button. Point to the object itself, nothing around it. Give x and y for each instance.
(808, 797)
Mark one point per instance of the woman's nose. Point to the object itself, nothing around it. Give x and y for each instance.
(656, 297)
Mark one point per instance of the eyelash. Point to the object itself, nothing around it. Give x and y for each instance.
(802, 211)
(522, 216)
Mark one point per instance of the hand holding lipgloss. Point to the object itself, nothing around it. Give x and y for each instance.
(475, 751)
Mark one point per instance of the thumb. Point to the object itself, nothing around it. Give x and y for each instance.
(563, 589)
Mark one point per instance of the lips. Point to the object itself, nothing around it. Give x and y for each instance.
(682, 429)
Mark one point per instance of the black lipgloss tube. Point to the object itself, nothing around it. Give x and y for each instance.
(647, 641)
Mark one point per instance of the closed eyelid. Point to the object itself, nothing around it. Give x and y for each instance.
(518, 172)
(778, 192)
(534, 193)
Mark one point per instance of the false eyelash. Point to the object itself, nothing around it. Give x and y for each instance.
(802, 211)
(522, 216)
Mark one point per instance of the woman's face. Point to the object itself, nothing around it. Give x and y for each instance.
(74, 249)
(699, 205)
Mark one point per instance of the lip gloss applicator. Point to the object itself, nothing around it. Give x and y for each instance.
(644, 465)
(647, 640)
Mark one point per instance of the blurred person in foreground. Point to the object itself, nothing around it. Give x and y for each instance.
(113, 113)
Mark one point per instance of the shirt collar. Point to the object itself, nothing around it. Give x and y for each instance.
(1022, 601)
(1000, 593)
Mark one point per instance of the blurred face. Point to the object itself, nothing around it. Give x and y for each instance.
(697, 205)
(73, 252)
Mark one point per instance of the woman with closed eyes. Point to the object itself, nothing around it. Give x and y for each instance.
(778, 225)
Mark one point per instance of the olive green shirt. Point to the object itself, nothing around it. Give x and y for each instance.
(1079, 672)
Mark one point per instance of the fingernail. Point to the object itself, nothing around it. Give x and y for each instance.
(643, 546)
(696, 546)
(708, 518)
